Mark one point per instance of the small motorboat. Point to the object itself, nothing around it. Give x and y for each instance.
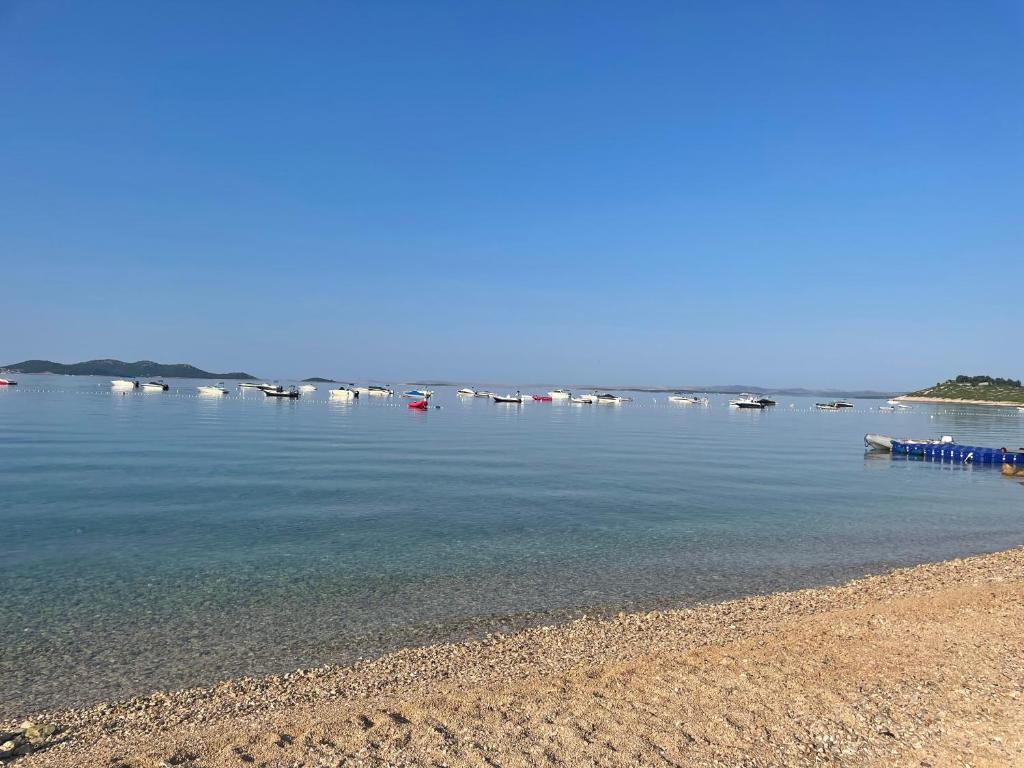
(884, 442)
(684, 399)
(467, 392)
(559, 394)
(212, 390)
(376, 391)
(887, 408)
(826, 406)
(8, 383)
(419, 405)
(892, 401)
(422, 394)
(124, 384)
(484, 393)
(307, 388)
(543, 398)
(516, 398)
(747, 401)
(342, 393)
(766, 401)
(270, 388)
(292, 393)
(155, 386)
(582, 400)
(609, 399)
(252, 385)
(842, 404)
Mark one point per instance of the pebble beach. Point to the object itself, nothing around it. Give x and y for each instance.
(920, 666)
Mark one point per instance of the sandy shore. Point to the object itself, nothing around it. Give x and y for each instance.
(959, 401)
(922, 666)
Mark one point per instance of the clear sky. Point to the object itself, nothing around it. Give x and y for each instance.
(783, 193)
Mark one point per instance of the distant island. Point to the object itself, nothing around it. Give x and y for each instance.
(974, 390)
(318, 380)
(138, 369)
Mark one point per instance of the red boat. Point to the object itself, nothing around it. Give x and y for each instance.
(420, 405)
(7, 383)
(542, 398)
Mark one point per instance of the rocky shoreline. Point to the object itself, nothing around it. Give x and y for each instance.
(959, 401)
(924, 662)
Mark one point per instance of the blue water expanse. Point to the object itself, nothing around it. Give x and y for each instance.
(155, 540)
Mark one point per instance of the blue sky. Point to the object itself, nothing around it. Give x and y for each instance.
(816, 194)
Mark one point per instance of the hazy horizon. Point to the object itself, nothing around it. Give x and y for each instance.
(793, 195)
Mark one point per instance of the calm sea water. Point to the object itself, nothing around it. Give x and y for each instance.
(154, 540)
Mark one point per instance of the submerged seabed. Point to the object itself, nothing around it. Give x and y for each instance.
(156, 540)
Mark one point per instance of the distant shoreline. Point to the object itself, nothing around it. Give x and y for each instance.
(960, 401)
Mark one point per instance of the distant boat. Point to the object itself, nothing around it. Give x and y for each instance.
(212, 390)
(842, 404)
(342, 393)
(893, 401)
(155, 386)
(516, 398)
(419, 405)
(483, 393)
(888, 408)
(251, 385)
(609, 399)
(467, 392)
(679, 397)
(767, 401)
(291, 393)
(7, 383)
(124, 384)
(559, 394)
(748, 402)
(307, 388)
(420, 393)
(884, 442)
(582, 400)
(376, 391)
(827, 406)
(543, 398)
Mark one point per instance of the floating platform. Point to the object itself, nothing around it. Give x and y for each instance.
(959, 454)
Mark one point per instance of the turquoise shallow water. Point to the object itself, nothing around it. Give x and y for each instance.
(155, 540)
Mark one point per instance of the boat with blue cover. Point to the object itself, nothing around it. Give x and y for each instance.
(957, 453)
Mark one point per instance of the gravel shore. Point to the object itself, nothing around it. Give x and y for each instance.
(922, 666)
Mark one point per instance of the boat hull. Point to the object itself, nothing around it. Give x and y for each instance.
(955, 453)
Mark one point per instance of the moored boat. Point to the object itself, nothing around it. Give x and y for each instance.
(307, 388)
(419, 405)
(342, 393)
(155, 386)
(609, 399)
(252, 385)
(467, 392)
(422, 394)
(543, 398)
(747, 401)
(559, 394)
(484, 393)
(212, 390)
(375, 390)
(124, 384)
(842, 404)
(516, 398)
(684, 399)
(291, 393)
(884, 442)
(582, 400)
(8, 383)
(826, 406)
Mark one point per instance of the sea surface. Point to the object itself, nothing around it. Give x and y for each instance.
(163, 540)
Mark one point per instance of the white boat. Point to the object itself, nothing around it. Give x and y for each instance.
(582, 400)
(559, 394)
(884, 442)
(251, 385)
(747, 401)
(211, 390)
(467, 392)
(155, 386)
(887, 408)
(892, 401)
(375, 391)
(8, 383)
(484, 393)
(516, 398)
(124, 384)
(609, 399)
(342, 393)
(307, 388)
(679, 397)
(826, 406)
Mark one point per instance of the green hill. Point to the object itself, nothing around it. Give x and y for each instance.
(985, 388)
(140, 369)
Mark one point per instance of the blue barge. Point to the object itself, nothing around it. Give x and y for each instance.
(960, 454)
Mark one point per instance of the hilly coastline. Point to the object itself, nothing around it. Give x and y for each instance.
(975, 390)
(139, 369)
